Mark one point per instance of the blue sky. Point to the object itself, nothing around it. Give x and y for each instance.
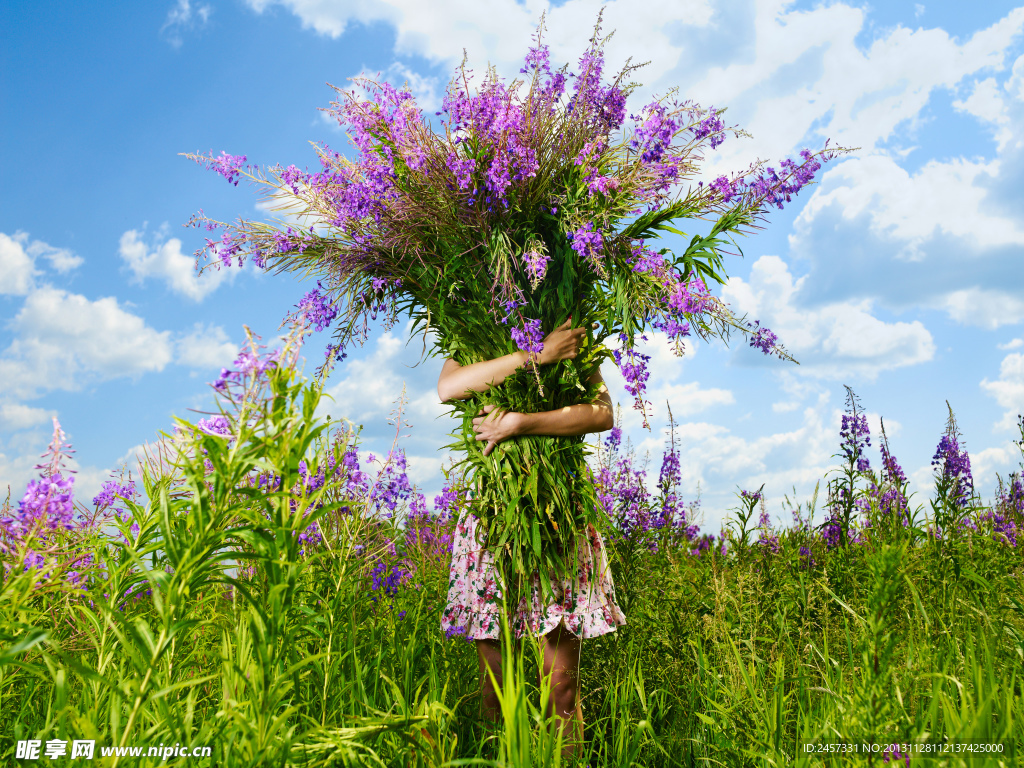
(900, 274)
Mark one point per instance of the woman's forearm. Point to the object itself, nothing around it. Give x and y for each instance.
(459, 383)
(571, 420)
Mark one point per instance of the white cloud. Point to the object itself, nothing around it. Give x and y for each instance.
(15, 416)
(18, 259)
(167, 262)
(183, 17)
(984, 308)
(1012, 344)
(834, 340)
(807, 76)
(785, 406)
(427, 90)
(986, 463)
(941, 198)
(63, 339)
(205, 347)
(16, 267)
(499, 32)
(790, 72)
(61, 259)
(1008, 389)
(987, 104)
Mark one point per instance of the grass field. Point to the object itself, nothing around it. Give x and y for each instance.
(265, 598)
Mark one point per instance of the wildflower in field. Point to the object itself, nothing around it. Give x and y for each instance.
(387, 578)
(46, 508)
(831, 532)
(953, 466)
(855, 438)
(767, 539)
(110, 495)
(430, 533)
(392, 484)
(807, 560)
(892, 754)
(893, 502)
(703, 544)
(455, 631)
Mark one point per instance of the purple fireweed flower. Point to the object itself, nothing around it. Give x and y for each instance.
(226, 165)
(315, 309)
(892, 754)
(766, 539)
(510, 306)
(653, 132)
(249, 363)
(529, 338)
(111, 490)
(614, 438)
(293, 177)
(430, 533)
(392, 484)
(454, 631)
(462, 169)
(536, 266)
(633, 366)
(762, 338)
(770, 187)
(712, 126)
(588, 243)
(387, 579)
(215, 425)
(603, 184)
(227, 248)
(806, 558)
(704, 544)
(450, 501)
(48, 505)
(688, 298)
(954, 465)
(855, 438)
(832, 532)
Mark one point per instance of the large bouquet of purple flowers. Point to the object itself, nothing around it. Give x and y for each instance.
(519, 205)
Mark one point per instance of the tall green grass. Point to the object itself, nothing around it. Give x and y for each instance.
(238, 636)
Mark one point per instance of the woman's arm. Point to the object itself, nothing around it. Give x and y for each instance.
(573, 419)
(496, 426)
(458, 382)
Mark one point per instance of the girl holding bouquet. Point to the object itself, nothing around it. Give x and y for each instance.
(582, 607)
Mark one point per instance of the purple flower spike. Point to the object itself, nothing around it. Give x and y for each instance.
(226, 165)
(317, 310)
(954, 465)
(529, 338)
(762, 338)
(588, 243)
(536, 266)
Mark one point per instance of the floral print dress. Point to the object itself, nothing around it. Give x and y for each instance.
(588, 608)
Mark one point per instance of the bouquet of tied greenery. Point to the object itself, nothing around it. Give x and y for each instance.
(518, 206)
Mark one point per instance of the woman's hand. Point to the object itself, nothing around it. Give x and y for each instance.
(562, 343)
(496, 426)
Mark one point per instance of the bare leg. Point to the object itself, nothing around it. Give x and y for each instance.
(489, 654)
(562, 662)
